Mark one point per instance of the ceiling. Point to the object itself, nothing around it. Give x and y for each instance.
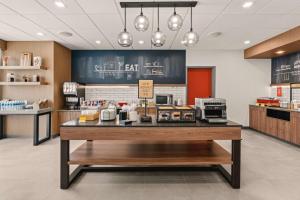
(91, 20)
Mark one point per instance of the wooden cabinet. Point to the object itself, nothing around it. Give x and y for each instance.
(66, 115)
(295, 128)
(271, 126)
(262, 119)
(257, 118)
(253, 117)
(283, 129)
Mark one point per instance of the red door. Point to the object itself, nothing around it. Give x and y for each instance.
(199, 84)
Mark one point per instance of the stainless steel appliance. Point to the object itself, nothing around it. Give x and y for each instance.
(164, 99)
(212, 110)
(73, 95)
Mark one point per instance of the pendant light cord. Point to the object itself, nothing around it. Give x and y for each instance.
(142, 9)
(158, 17)
(125, 30)
(191, 18)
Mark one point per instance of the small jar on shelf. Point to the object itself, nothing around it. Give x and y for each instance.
(10, 77)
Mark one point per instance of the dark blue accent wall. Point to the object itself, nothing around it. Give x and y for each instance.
(128, 66)
(286, 69)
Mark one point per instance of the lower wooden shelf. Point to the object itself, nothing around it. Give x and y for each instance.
(150, 153)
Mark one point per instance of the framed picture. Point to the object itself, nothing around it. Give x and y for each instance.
(145, 89)
(37, 61)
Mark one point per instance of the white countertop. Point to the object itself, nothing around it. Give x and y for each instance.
(25, 111)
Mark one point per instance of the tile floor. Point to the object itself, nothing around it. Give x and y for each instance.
(270, 171)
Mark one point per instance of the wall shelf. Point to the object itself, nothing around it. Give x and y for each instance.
(280, 84)
(295, 85)
(292, 85)
(22, 83)
(22, 67)
(154, 66)
(154, 74)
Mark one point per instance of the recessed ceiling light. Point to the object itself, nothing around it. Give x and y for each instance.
(65, 34)
(141, 42)
(214, 34)
(247, 4)
(98, 41)
(280, 52)
(59, 4)
(40, 34)
(247, 42)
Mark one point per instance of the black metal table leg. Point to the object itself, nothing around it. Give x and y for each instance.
(2, 130)
(36, 123)
(64, 166)
(66, 178)
(236, 163)
(234, 177)
(49, 126)
(36, 135)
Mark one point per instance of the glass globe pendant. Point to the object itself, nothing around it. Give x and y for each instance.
(125, 39)
(141, 22)
(191, 38)
(175, 22)
(158, 38)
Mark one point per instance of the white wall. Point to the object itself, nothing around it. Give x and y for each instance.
(239, 81)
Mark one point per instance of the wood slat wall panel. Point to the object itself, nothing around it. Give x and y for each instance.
(3, 45)
(62, 73)
(64, 116)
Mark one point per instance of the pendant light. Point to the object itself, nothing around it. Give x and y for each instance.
(158, 37)
(141, 22)
(190, 38)
(175, 21)
(125, 38)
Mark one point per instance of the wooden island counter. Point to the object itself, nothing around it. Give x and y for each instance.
(144, 146)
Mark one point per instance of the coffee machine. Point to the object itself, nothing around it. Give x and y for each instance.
(74, 95)
(212, 110)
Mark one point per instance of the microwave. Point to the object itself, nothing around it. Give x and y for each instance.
(164, 99)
